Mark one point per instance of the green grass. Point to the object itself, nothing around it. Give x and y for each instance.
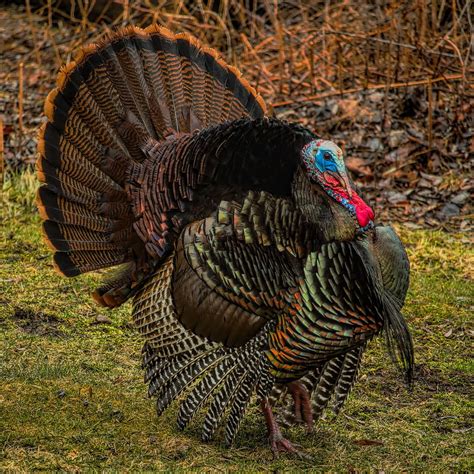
(72, 396)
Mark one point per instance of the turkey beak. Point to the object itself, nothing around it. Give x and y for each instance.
(343, 180)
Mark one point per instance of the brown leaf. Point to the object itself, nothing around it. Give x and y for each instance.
(435, 180)
(368, 442)
(35, 77)
(448, 333)
(358, 165)
(424, 183)
(400, 154)
(349, 107)
(102, 319)
(395, 197)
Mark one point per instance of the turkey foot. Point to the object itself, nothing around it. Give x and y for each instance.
(302, 404)
(277, 442)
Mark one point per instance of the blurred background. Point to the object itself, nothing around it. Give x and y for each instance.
(389, 81)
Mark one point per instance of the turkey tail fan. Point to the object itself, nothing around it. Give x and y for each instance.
(151, 81)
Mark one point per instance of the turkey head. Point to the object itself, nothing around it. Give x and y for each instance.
(324, 164)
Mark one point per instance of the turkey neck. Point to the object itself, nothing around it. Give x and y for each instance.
(331, 220)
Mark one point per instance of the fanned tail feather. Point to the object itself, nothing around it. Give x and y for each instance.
(151, 83)
(241, 399)
(348, 377)
(221, 400)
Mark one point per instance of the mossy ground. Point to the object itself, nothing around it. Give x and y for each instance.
(72, 396)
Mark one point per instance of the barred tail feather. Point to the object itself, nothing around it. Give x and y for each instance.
(181, 375)
(349, 372)
(241, 400)
(135, 82)
(221, 400)
(202, 392)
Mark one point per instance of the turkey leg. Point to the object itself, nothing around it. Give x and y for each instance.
(277, 442)
(302, 404)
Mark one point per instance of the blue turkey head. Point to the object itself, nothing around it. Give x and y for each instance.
(324, 164)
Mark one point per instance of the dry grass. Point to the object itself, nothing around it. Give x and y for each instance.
(360, 73)
(294, 51)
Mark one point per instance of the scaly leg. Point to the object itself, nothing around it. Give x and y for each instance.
(302, 404)
(277, 442)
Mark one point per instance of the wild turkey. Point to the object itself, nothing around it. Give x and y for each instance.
(254, 265)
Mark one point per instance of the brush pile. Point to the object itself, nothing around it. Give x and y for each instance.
(391, 82)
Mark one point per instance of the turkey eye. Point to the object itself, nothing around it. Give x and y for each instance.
(327, 156)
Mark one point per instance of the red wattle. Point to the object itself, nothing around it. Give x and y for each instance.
(364, 213)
